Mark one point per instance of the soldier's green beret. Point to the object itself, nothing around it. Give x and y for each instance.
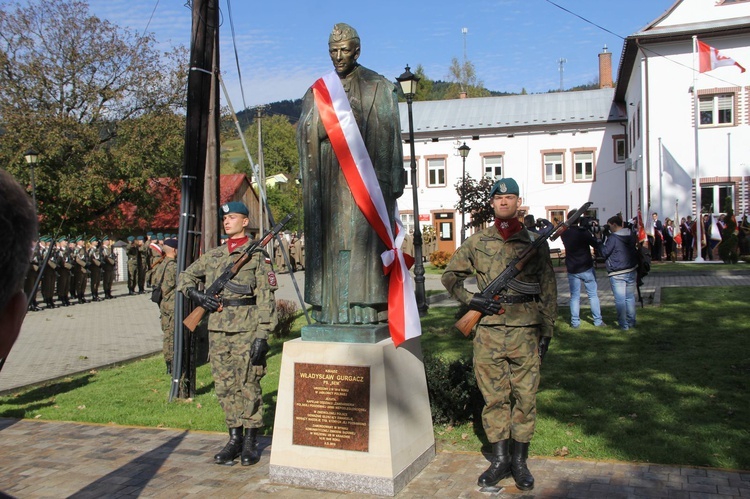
(62, 238)
(234, 207)
(105, 238)
(505, 186)
(139, 238)
(149, 234)
(93, 238)
(79, 238)
(131, 239)
(160, 236)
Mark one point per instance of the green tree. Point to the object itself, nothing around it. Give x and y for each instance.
(279, 146)
(476, 200)
(464, 79)
(78, 89)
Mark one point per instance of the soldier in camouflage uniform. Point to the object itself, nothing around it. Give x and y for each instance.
(64, 270)
(131, 250)
(49, 272)
(143, 259)
(95, 267)
(109, 264)
(239, 324)
(165, 275)
(80, 269)
(508, 347)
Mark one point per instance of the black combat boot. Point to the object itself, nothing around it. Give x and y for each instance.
(499, 465)
(232, 449)
(50, 303)
(521, 473)
(250, 453)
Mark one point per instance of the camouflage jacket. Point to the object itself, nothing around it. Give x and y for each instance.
(165, 274)
(255, 279)
(487, 254)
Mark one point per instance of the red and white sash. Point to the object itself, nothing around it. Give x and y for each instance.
(346, 140)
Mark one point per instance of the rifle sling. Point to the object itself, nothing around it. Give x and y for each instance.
(238, 302)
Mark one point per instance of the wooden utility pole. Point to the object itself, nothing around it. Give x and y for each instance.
(202, 96)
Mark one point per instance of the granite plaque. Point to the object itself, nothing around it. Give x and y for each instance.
(331, 406)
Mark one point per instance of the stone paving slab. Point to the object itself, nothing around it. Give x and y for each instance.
(55, 459)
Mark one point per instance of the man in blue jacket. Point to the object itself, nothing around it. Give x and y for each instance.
(579, 242)
(621, 256)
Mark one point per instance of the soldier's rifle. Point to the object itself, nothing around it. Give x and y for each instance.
(506, 279)
(192, 320)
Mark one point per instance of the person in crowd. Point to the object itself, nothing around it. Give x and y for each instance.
(621, 259)
(508, 347)
(656, 239)
(579, 262)
(165, 276)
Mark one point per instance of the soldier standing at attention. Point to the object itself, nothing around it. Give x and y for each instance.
(109, 264)
(131, 250)
(142, 260)
(508, 347)
(80, 271)
(64, 266)
(49, 275)
(239, 324)
(95, 267)
(165, 275)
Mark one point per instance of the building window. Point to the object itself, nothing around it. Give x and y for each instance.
(716, 109)
(556, 215)
(553, 167)
(583, 164)
(714, 198)
(493, 167)
(436, 172)
(619, 147)
(410, 179)
(407, 219)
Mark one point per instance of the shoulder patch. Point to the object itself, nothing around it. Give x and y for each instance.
(272, 278)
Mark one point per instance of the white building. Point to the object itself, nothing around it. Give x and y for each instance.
(655, 84)
(624, 149)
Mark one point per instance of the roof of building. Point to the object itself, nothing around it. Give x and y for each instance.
(492, 115)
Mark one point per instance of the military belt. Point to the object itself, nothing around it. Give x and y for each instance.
(238, 302)
(514, 298)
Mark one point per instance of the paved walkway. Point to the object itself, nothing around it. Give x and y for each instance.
(55, 459)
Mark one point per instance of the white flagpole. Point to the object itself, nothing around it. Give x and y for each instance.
(696, 120)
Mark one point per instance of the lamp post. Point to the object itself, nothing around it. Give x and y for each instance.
(408, 82)
(463, 151)
(31, 157)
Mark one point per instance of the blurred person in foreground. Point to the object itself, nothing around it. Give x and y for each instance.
(18, 232)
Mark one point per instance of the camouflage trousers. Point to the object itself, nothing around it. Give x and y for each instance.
(236, 381)
(506, 365)
(132, 274)
(167, 327)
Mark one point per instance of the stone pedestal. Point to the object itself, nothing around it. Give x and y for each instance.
(351, 417)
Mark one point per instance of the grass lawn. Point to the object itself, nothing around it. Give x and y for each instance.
(673, 391)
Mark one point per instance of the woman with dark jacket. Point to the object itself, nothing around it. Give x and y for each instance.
(621, 258)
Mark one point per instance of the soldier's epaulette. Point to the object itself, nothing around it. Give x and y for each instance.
(488, 239)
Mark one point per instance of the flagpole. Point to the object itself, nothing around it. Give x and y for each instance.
(696, 121)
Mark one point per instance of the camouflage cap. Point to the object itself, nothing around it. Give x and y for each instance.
(505, 186)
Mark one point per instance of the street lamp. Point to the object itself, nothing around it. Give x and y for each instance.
(31, 158)
(408, 82)
(463, 151)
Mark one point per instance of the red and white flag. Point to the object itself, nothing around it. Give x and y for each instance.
(710, 58)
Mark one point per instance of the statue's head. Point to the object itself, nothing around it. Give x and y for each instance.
(343, 47)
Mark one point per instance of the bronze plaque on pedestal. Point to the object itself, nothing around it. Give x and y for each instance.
(331, 406)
